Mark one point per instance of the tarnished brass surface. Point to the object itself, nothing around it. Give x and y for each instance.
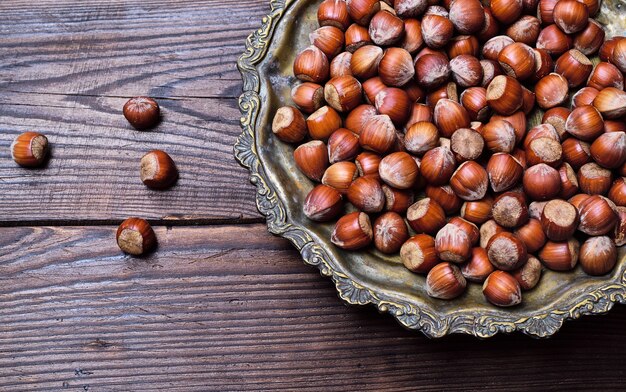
(369, 276)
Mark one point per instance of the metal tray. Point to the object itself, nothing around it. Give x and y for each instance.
(369, 277)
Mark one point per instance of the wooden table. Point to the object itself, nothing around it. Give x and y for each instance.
(222, 305)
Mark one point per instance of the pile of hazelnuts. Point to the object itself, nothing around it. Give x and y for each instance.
(416, 112)
(157, 170)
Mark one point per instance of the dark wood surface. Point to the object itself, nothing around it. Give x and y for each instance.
(222, 305)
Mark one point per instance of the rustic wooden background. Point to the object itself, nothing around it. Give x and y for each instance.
(222, 305)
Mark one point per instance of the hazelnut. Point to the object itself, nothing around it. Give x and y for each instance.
(559, 220)
(323, 122)
(340, 175)
(448, 91)
(598, 255)
(450, 116)
(323, 204)
(545, 11)
(518, 121)
(474, 100)
(609, 150)
(598, 215)
(466, 144)
(340, 66)
(396, 67)
(362, 11)
(584, 96)
(478, 211)
(529, 274)
(445, 281)
(573, 66)
(136, 237)
(158, 170)
(366, 194)
(554, 41)
(569, 182)
(364, 62)
(605, 75)
(328, 39)
(142, 112)
(619, 55)
(504, 95)
(371, 88)
(551, 91)
(333, 13)
(506, 11)
(506, 252)
(504, 172)
(308, 96)
(432, 70)
(491, 69)
(397, 200)
(532, 235)
(607, 48)
(541, 182)
(418, 253)
(560, 256)
(571, 16)
(619, 233)
(517, 60)
(445, 196)
(617, 193)
(352, 231)
(398, 170)
(343, 145)
(437, 30)
(594, 179)
(510, 210)
(478, 267)
(502, 289)
(468, 227)
(378, 134)
(470, 181)
(589, 40)
(492, 48)
(525, 30)
(30, 149)
(499, 136)
(543, 64)
(312, 159)
(453, 244)
(557, 117)
(421, 137)
(410, 8)
(576, 152)
(544, 150)
(385, 28)
(356, 36)
(390, 232)
(490, 28)
(463, 44)
(466, 70)
(395, 103)
(438, 165)
(311, 65)
(611, 102)
(343, 93)
(487, 231)
(289, 125)
(426, 216)
(367, 164)
(357, 118)
(412, 41)
(539, 131)
(467, 16)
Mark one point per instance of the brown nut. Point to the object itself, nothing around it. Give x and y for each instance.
(606, 75)
(289, 125)
(544, 150)
(445, 196)
(356, 36)
(594, 179)
(506, 252)
(395, 103)
(529, 274)
(328, 39)
(378, 134)
(569, 181)
(571, 16)
(551, 91)
(333, 13)
(390, 232)
(499, 136)
(308, 96)
(532, 235)
(598, 215)
(385, 28)
(323, 122)
(340, 175)
(343, 93)
(574, 66)
(609, 150)
(598, 255)
(323, 204)
(589, 40)
(504, 172)
(136, 237)
(352, 231)
(554, 41)
(426, 216)
(366, 194)
(453, 244)
(357, 118)
(438, 165)
(585, 123)
(504, 95)
(617, 193)
(510, 210)
(437, 30)
(432, 70)
(477, 212)
(396, 67)
(450, 116)
(506, 11)
(576, 152)
(466, 144)
(541, 182)
(398, 170)
(517, 60)
(421, 137)
(418, 253)
(478, 267)
(312, 159)
(445, 281)
(397, 200)
(560, 256)
(502, 289)
(30, 149)
(142, 112)
(487, 231)
(311, 65)
(364, 62)
(362, 11)
(157, 170)
(611, 102)
(525, 30)
(470, 181)
(559, 220)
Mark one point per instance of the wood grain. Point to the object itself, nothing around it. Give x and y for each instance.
(66, 69)
(209, 312)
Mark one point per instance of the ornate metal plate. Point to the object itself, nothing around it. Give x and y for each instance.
(369, 277)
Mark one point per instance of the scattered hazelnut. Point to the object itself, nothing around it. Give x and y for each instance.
(30, 149)
(136, 237)
(158, 170)
(142, 112)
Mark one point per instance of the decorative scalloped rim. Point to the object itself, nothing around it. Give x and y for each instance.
(425, 320)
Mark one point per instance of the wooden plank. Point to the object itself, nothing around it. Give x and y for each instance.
(66, 70)
(209, 312)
